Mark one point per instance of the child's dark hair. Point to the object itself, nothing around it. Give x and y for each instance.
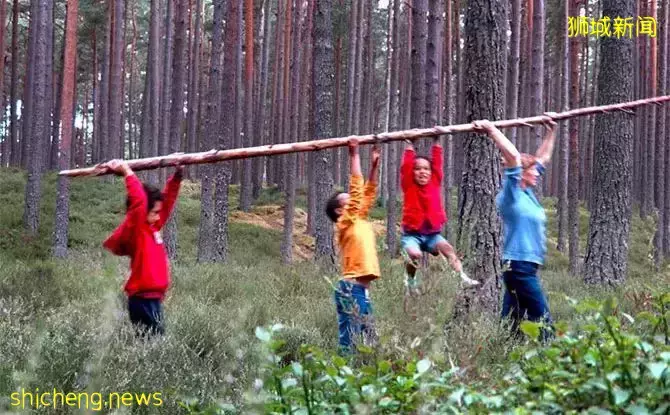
(153, 195)
(332, 205)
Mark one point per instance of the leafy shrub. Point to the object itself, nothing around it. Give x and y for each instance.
(606, 362)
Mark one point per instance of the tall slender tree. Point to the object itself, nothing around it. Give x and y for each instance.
(479, 226)
(194, 83)
(36, 142)
(323, 72)
(563, 142)
(573, 170)
(513, 65)
(291, 165)
(661, 169)
(607, 249)
(177, 107)
(13, 98)
(116, 81)
(213, 139)
(537, 76)
(67, 123)
(419, 45)
(228, 114)
(258, 166)
(393, 124)
(246, 191)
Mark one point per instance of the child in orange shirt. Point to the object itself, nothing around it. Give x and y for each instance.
(358, 251)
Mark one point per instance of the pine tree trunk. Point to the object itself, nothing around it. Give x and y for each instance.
(479, 226)
(132, 145)
(433, 62)
(291, 177)
(166, 87)
(306, 120)
(352, 40)
(573, 171)
(50, 154)
(213, 139)
(323, 71)
(607, 250)
(6, 142)
(259, 163)
(228, 115)
(27, 117)
(194, 86)
(116, 82)
(562, 207)
(150, 106)
(235, 165)
(512, 95)
(449, 112)
(660, 136)
(664, 128)
(643, 137)
(52, 160)
(67, 118)
(179, 79)
(419, 45)
(246, 191)
(36, 141)
(537, 80)
(393, 125)
(13, 97)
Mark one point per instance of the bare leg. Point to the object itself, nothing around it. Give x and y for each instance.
(445, 248)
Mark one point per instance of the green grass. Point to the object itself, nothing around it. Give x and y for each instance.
(63, 322)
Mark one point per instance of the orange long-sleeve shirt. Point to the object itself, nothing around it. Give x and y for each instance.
(355, 235)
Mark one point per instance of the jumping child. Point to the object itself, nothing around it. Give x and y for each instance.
(423, 213)
(358, 251)
(139, 237)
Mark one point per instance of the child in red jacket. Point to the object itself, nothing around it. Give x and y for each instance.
(423, 213)
(139, 237)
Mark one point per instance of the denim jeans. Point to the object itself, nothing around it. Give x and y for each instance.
(524, 298)
(354, 315)
(146, 314)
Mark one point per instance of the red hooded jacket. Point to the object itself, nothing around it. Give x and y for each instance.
(422, 210)
(149, 267)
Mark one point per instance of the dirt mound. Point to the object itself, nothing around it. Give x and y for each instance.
(272, 217)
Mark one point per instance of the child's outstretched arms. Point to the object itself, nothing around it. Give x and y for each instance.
(407, 165)
(545, 151)
(370, 192)
(170, 194)
(509, 151)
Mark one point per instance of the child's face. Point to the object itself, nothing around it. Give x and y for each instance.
(343, 198)
(422, 172)
(155, 213)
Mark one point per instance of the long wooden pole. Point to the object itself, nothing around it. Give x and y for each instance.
(214, 156)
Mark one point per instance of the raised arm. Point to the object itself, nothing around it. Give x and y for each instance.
(546, 149)
(437, 156)
(137, 210)
(407, 166)
(170, 194)
(353, 207)
(370, 192)
(509, 152)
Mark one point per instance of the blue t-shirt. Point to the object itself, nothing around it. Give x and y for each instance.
(524, 220)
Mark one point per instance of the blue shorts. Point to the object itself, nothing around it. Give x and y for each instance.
(423, 243)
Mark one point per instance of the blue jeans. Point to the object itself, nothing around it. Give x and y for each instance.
(421, 242)
(354, 314)
(146, 314)
(524, 298)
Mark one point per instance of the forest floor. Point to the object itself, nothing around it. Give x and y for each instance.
(63, 323)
